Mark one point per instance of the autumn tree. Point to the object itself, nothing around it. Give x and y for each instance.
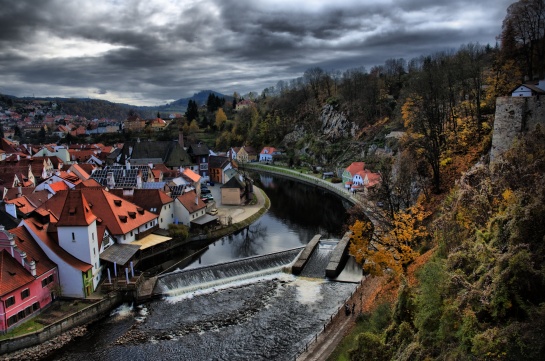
(392, 247)
(221, 119)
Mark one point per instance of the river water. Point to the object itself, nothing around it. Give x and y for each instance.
(267, 317)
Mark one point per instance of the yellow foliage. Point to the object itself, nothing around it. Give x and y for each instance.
(392, 249)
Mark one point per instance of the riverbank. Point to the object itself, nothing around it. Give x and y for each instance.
(307, 178)
(240, 217)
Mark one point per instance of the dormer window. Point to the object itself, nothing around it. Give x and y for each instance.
(132, 214)
(123, 219)
(117, 202)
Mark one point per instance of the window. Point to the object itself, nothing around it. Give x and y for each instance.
(25, 294)
(93, 235)
(47, 280)
(94, 251)
(161, 219)
(10, 302)
(12, 320)
(73, 237)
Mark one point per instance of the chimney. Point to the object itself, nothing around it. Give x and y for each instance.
(139, 180)
(127, 165)
(197, 200)
(110, 180)
(23, 258)
(32, 266)
(19, 191)
(18, 157)
(181, 138)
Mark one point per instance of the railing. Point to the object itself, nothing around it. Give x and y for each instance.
(145, 233)
(339, 314)
(120, 283)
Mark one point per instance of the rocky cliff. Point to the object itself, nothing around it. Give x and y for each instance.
(335, 124)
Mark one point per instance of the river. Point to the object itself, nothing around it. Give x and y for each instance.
(269, 317)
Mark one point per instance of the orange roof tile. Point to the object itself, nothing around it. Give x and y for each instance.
(25, 242)
(191, 175)
(12, 274)
(76, 211)
(58, 186)
(191, 202)
(355, 167)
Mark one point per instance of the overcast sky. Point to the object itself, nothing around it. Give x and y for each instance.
(150, 52)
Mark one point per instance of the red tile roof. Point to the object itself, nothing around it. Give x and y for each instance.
(191, 202)
(12, 274)
(194, 177)
(117, 214)
(25, 242)
(59, 186)
(76, 210)
(355, 167)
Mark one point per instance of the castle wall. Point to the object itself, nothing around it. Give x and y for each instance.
(514, 117)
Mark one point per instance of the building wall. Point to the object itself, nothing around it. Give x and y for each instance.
(230, 196)
(514, 117)
(40, 297)
(166, 216)
(70, 278)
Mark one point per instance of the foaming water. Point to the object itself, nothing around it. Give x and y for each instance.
(308, 290)
(234, 283)
(220, 276)
(123, 311)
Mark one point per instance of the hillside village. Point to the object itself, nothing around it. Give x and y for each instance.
(446, 149)
(71, 212)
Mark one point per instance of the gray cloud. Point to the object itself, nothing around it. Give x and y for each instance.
(153, 51)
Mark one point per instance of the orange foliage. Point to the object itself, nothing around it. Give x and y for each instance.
(391, 249)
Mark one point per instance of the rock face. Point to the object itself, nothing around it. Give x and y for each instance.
(335, 125)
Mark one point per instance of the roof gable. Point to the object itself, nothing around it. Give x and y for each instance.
(191, 202)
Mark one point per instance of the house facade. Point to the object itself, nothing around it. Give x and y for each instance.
(529, 90)
(351, 171)
(218, 168)
(188, 207)
(266, 154)
(28, 279)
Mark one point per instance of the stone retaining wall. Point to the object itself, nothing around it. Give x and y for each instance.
(514, 117)
(91, 313)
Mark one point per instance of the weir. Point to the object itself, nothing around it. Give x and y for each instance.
(186, 281)
(319, 259)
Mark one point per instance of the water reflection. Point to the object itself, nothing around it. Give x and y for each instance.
(298, 212)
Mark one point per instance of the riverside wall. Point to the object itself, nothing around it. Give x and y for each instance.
(87, 315)
(304, 178)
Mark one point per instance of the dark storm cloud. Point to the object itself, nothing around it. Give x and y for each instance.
(153, 51)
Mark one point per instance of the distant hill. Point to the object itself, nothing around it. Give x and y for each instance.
(96, 108)
(201, 97)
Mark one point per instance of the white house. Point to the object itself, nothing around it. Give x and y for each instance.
(529, 90)
(187, 208)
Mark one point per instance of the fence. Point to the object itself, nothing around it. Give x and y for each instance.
(334, 317)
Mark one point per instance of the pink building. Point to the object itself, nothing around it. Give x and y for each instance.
(28, 278)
